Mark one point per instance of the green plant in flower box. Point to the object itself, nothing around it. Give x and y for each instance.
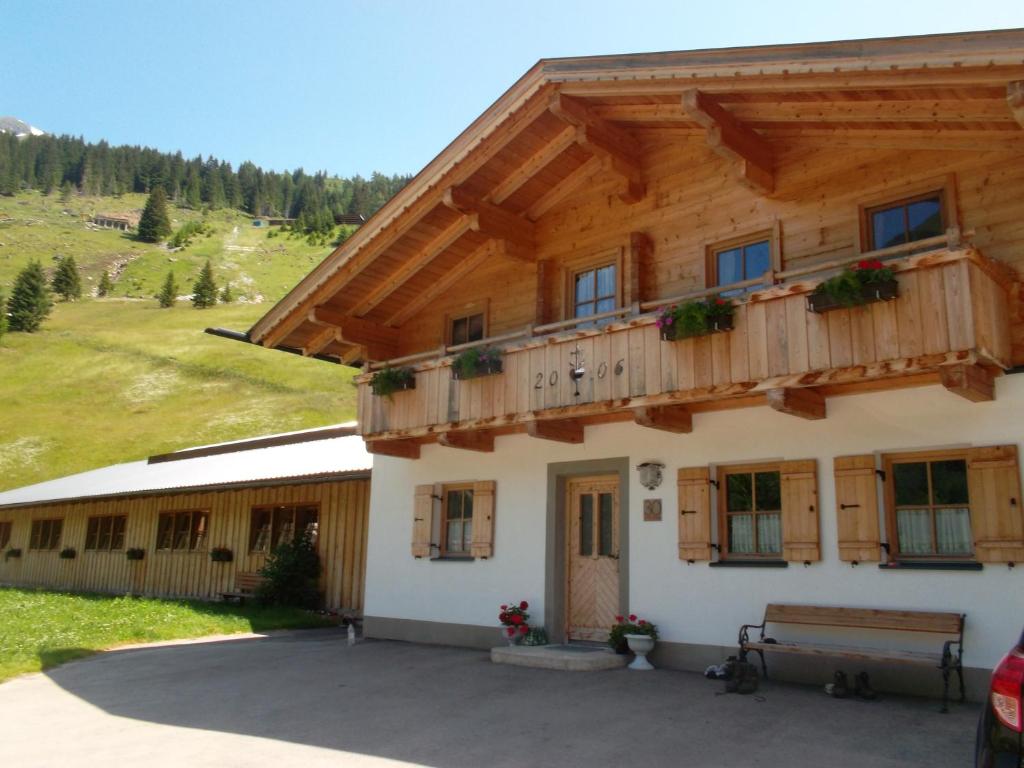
(387, 381)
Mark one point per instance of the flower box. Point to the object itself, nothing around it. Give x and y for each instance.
(482, 368)
(12, 553)
(387, 381)
(221, 555)
(712, 325)
(136, 553)
(885, 290)
(68, 553)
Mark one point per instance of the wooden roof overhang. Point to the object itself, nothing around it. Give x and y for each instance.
(567, 121)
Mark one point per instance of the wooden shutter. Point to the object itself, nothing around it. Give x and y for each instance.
(423, 519)
(857, 508)
(997, 523)
(800, 511)
(483, 519)
(694, 514)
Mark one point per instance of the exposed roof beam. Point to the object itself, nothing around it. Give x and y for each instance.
(533, 164)
(911, 139)
(491, 220)
(411, 266)
(476, 440)
(381, 342)
(733, 140)
(805, 403)
(564, 188)
(562, 430)
(401, 449)
(1015, 100)
(467, 265)
(619, 150)
(352, 355)
(321, 341)
(671, 418)
(969, 381)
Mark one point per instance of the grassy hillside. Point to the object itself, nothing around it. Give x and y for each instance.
(118, 379)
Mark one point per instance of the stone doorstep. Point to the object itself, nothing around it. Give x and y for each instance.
(575, 659)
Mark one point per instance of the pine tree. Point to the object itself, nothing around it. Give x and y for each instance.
(66, 281)
(169, 293)
(204, 291)
(3, 317)
(155, 224)
(30, 301)
(226, 296)
(66, 190)
(105, 286)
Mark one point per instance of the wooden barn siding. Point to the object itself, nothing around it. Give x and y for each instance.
(694, 200)
(344, 509)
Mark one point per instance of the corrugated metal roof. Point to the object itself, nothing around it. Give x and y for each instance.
(317, 457)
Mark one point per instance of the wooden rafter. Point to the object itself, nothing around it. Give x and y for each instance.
(533, 165)
(493, 221)
(561, 430)
(565, 187)
(411, 266)
(805, 403)
(616, 147)
(733, 140)
(1015, 100)
(972, 382)
(467, 265)
(670, 418)
(475, 440)
(321, 341)
(380, 341)
(401, 449)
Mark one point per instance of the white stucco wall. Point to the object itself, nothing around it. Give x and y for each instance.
(696, 603)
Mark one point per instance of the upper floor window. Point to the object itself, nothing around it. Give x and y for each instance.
(931, 512)
(467, 328)
(5, 533)
(735, 262)
(457, 521)
(182, 531)
(905, 221)
(594, 290)
(752, 510)
(270, 527)
(45, 534)
(105, 533)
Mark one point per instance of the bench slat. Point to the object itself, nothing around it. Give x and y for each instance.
(911, 657)
(865, 618)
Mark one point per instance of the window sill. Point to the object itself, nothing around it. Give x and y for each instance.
(452, 559)
(749, 564)
(918, 565)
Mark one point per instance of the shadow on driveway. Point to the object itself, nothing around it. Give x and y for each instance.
(443, 707)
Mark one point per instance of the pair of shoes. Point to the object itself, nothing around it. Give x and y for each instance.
(840, 688)
(862, 688)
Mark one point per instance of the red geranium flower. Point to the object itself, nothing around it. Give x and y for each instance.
(524, 605)
(632, 617)
(618, 619)
(517, 619)
(524, 629)
(504, 607)
(643, 623)
(511, 631)
(719, 301)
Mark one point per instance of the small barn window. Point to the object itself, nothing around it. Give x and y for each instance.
(269, 527)
(5, 533)
(45, 534)
(182, 531)
(467, 328)
(105, 533)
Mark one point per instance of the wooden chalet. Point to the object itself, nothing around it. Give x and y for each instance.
(596, 194)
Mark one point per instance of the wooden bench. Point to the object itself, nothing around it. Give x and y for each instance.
(950, 625)
(246, 585)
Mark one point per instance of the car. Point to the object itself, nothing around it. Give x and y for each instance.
(1000, 743)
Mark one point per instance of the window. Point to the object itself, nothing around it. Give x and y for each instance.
(930, 505)
(594, 290)
(5, 533)
(597, 526)
(738, 261)
(105, 534)
(457, 521)
(751, 502)
(46, 534)
(905, 221)
(466, 329)
(182, 531)
(269, 527)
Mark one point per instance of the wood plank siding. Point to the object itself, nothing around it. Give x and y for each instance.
(342, 532)
(951, 311)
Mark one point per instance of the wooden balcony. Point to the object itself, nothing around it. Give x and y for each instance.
(950, 323)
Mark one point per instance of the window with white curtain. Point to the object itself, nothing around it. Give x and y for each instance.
(931, 505)
(751, 503)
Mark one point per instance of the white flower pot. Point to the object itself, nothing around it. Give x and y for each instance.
(641, 645)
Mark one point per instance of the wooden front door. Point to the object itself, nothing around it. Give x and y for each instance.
(592, 592)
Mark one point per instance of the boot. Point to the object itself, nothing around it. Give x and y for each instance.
(863, 689)
(840, 688)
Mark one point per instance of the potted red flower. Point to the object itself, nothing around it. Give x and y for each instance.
(865, 282)
(514, 621)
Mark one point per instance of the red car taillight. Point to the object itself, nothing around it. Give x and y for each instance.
(1007, 689)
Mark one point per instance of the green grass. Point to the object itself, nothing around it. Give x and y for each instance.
(42, 629)
(118, 379)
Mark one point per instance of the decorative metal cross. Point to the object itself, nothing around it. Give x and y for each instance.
(576, 368)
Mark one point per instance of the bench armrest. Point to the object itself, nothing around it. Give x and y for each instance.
(947, 653)
(744, 634)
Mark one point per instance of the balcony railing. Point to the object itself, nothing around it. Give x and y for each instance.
(951, 311)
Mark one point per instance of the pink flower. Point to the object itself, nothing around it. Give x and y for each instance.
(524, 605)
(632, 617)
(504, 607)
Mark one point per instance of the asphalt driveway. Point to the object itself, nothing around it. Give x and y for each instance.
(307, 698)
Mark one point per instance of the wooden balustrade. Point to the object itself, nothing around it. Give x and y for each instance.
(951, 311)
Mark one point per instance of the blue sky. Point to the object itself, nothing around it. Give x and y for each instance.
(354, 86)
